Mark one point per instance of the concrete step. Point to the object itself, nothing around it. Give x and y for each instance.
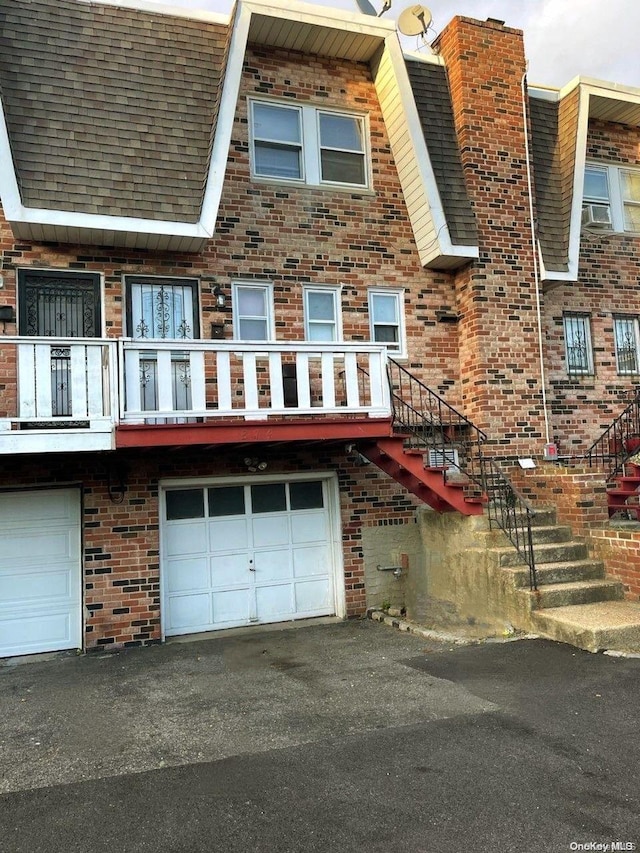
(551, 533)
(595, 627)
(574, 593)
(554, 552)
(558, 573)
(544, 517)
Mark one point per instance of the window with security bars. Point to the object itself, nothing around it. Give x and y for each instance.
(627, 339)
(577, 342)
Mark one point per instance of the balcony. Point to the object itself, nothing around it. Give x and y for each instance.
(91, 394)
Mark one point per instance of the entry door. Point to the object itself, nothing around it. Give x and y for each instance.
(163, 309)
(243, 554)
(59, 304)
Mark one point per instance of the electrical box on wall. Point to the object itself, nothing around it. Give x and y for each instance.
(217, 331)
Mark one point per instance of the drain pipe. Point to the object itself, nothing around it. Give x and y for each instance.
(536, 269)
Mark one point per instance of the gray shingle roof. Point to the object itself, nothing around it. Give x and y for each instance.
(433, 101)
(554, 134)
(109, 110)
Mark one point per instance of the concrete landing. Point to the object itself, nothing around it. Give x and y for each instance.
(595, 627)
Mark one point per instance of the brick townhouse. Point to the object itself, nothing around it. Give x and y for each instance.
(242, 260)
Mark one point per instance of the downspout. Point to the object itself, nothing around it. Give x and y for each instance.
(536, 269)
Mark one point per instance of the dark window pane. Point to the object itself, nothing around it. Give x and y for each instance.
(386, 334)
(306, 495)
(269, 497)
(342, 167)
(226, 500)
(185, 503)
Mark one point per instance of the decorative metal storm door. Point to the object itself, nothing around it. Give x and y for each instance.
(54, 303)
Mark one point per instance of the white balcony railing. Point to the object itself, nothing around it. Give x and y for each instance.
(51, 386)
(69, 394)
(202, 379)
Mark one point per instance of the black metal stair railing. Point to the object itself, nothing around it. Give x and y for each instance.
(512, 513)
(436, 425)
(418, 411)
(619, 441)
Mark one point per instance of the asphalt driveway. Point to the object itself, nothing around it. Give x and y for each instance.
(349, 736)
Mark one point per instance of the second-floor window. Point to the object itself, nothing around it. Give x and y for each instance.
(308, 144)
(627, 338)
(577, 342)
(322, 314)
(386, 317)
(253, 312)
(611, 198)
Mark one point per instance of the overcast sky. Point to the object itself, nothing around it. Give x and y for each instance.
(563, 38)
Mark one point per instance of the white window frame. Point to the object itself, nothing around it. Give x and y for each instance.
(615, 201)
(336, 293)
(400, 350)
(632, 324)
(583, 321)
(310, 144)
(267, 288)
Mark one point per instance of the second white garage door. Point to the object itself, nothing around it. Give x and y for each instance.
(238, 554)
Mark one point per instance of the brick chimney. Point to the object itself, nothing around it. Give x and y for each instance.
(500, 368)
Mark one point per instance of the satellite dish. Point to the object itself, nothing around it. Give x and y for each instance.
(414, 21)
(366, 8)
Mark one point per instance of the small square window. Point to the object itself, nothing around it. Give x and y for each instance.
(306, 495)
(185, 503)
(268, 497)
(577, 339)
(226, 500)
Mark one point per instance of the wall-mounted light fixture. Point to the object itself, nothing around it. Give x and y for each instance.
(219, 295)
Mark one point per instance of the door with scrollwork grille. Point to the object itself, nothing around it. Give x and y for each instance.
(163, 309)
(59, 304)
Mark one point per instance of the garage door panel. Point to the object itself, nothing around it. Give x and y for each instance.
(17, 588)
(308, 527)
(274, 602)
(229, 570)
(51, 508)
(313, 596)
(39, 631)
(270, 531)
(30, 547)
(231, 606)
(273, 565)
(228, 535)
(192, 612)
(40, 571)
(311, 560)
(188, 574)
(186, 538)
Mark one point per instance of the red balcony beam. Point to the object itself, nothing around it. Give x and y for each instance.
(242, 432)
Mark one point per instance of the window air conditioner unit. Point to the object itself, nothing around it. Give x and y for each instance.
(596, 216)
(447, 458)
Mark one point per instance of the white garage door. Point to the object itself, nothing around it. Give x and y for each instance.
(40, 571)
(243, 554)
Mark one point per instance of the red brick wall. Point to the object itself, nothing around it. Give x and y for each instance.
(500, 371)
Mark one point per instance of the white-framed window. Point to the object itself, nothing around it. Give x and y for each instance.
(322, 314)
(577, 343)
(627, 339)
(303, 143)
(252, 306)
(611, 198)
(386, 319)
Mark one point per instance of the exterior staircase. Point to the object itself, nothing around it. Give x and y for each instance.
(575, 602)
